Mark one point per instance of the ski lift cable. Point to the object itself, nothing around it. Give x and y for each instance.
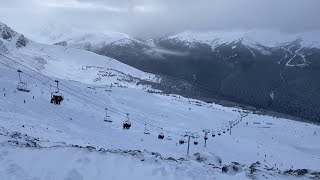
(61, 84)
(142, 121)
(116, 111)
(44, 82)
(136, 120)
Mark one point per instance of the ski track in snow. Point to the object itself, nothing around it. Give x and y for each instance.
(297, 53)
(251, 52)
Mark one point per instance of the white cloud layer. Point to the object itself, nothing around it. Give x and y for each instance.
(149, 18)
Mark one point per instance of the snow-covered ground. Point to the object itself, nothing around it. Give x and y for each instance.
(40, 140)
(274, 142)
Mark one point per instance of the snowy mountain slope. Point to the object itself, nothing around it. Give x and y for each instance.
(286, 144)
(265, 42)
(241, 67)
(65, 141)
(96, 41)
(68, 63)
(250, 38)
(9, 35)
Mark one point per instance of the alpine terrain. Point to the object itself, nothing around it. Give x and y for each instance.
(262, 70)
(142, 110)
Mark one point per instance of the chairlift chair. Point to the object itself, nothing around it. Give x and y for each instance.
(127, 123)
(56, 97)
(161, 135)
(107, 118)
(22, 86)
(146, 131)
(213, 135)
(181, 141)
(195, 142)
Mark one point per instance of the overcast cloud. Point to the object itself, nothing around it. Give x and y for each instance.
(150, 18)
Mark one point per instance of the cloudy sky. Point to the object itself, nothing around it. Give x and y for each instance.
(151, 18)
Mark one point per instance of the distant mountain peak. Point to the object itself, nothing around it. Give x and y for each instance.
(93, 41)
(268, 38)
(11, 36)
(6, 32)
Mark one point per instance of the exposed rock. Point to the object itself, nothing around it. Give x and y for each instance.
(232, 169)
(6, 32)
(21, 42)
(3, 48)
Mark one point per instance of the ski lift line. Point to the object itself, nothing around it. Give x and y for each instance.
(6, 65)
(135, 119)
(63, 85)
(72, 89)
(45, 82)
(77, 91)
(142, 121)
(82, 93)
